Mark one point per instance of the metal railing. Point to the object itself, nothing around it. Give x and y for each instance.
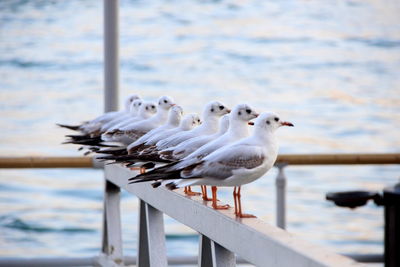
(222, 235)
(217, 244)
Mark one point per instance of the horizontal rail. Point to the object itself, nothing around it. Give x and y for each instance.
(339, 159)
(48, 162)
(254, 240)
(291, 159)
(129, 260)
(88, 261)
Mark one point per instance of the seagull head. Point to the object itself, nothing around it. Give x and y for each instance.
(135, 105)
(147, 109)
(224, 124)
(215, 108)
(243, 112)
(129, 100)
(175, 115)
(165, 102)
(189, 122)
(270, 121)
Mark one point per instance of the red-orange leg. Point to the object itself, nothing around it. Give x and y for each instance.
(240, 214)
(204, 192)
(188, 191)
(235, 200)
(214, 200)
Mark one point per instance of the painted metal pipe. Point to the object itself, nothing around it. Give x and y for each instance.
(280, 183)
(111, 55)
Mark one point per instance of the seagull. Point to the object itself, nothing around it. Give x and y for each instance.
(233, 165)
(238, 129)
(188, 123)
(187, 147)
(146, 110)
(95, 124)
(211, 114)
(174, 119)
(132, 132)
(121, 121)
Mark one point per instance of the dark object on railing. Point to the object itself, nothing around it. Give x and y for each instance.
(390, 199)
(353, 199)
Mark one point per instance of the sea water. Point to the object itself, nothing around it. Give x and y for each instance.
(330, 67)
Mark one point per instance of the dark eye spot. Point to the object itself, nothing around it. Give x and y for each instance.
(147, 108)
(165, 101)
(248, 111)
(276, 119)
(140, 104)
(221, 107)
(153, 106)
(212, 110)
(198, 120)
(239, 113)
(268, 122)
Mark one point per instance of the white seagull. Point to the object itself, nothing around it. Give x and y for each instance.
(174, 119)
(188, 123)
(187, 147)
(211, 114)
(95, 124)
(146, 110)
(121, 121)
(238, 129)
(133, 131)
(234, 165)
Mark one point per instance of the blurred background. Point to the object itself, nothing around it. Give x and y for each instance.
(330, 67)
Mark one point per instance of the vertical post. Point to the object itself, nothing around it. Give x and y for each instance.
(111, 55)
(391, 200)
(221, 256)
(280, 183)
(211, 254)
(112, 234)
(205, 254)
(151, 242)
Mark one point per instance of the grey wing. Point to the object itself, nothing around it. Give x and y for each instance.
(223, 166)
(134, 134)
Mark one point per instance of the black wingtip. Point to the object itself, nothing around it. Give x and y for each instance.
(171, 186)
(71, 127)
(148, 165)
(156, 184)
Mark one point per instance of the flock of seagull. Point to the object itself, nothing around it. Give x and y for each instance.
(214, 150)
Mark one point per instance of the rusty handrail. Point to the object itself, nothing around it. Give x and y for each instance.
(46, 162)
(290, 159)
(339, 159)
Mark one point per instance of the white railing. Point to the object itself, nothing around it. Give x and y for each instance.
(222, 235)
(216, 243)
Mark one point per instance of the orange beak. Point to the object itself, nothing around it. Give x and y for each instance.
(228, 110)
(286, 123)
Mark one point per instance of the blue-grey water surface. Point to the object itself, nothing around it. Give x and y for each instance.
(330, 67)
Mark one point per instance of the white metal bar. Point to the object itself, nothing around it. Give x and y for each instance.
(151, 242)
(205, 253)
(111, 55)
(280, 183)
(254, 240)
(129, 260)
(112, 233)
(222, 257)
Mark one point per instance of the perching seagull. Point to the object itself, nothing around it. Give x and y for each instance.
(234, 165)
